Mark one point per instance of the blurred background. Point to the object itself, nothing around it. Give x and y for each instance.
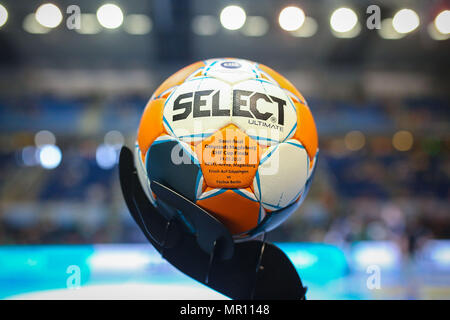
(71, 97)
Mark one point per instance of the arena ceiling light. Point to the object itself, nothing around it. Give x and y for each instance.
(233, 17)
(343, 20)
(405, 21)
(291, 18)
(48, 15)
(441, 22)
(3, 15)
(110, 16)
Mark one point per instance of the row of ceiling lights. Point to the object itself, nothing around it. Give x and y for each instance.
(48, 16)
(343, 22)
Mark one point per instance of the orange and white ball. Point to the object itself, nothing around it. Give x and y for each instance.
(233, 136)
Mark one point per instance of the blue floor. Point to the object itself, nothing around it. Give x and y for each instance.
(361, 271)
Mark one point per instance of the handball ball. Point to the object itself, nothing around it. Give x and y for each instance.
(233, 136)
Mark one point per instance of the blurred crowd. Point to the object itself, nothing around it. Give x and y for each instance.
(383, 172)
(365, 195)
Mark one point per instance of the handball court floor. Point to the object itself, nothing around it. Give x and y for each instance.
(364, 270)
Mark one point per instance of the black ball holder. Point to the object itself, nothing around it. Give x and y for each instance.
(252, 269)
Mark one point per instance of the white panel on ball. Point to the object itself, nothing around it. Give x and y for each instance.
(231, 71)
(281, 175)
(197, 108)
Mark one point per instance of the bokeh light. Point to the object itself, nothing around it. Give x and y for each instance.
(106, 156)
(89, 24)
(436, 34)
(3, 15)
(291, 18)
(205, 25)
(442, 22)
(233, 17)
(405, 21)
(308, 29)
(387, 30)
(50, 156)
(355, 31)
(402, 140)
(110, 16)
(49, 15)
(354, 140)
(31, 25)
(137, 24)
(29, 156)
(255, 26)
(114, 138)
(343, 20)
(44, 137)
